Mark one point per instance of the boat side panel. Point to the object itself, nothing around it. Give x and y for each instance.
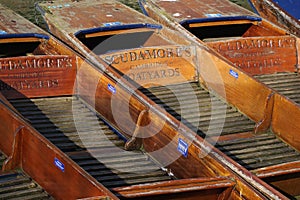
(36, 76)
(155, 66)
(265, 28)
(193, 189)
(235, 86)
(285, 127)
(260, 55)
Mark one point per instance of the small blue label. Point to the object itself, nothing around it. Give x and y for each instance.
(59, 164)
(213, 15)
(112, 88)
(3, 32)
(233, 73)
(182, 147)
(112, 24)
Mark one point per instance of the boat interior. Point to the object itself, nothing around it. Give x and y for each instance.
(251, 43)
(274, 63)
(243, 125)
(118, 37)
(73, 135)
(253, 130)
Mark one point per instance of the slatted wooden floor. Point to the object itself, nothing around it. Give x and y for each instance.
(18, 186)
(287, 84)
(260, 151)
(90, 142)
(210, 112)
(252, 152)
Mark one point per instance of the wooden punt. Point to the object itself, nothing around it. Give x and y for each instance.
(187, 79)
(63, 118)
(34, 64)
(250, 42)
(282, 13)
(259, 49)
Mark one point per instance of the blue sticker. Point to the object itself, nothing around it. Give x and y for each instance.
(213, 15)
(112, 24)
(182, 147)
(3, 32)
(233, 73)
(59, 164)
(112, 88)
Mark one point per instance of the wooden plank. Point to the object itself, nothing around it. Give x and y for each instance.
(284, 176)
(115, 32)
(195, 25)
(154, 66)
(197, 188)
(183, 10)
(260, 55)
(286, 127)
(34, 76)
(20, 40)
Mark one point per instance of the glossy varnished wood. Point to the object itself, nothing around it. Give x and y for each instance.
(248, 60)
(164, 124)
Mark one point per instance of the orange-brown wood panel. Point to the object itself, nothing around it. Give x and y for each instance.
(153, 66)
(8, 128)
(197, 188)
(285, 177)
(37, 76)
(55, 171)
(287, 184)
(260, 55)
(264, 28)
(285, 121)
(236, 87)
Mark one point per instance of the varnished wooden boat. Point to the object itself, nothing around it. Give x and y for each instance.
(282, 13)
(63, 118)
(257, 47)
(34, 65)
(149, 68)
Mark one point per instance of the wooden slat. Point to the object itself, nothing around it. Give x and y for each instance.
(287, 84)
(197, 188)
(203, 24)
(116, 32)
(20, 186)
